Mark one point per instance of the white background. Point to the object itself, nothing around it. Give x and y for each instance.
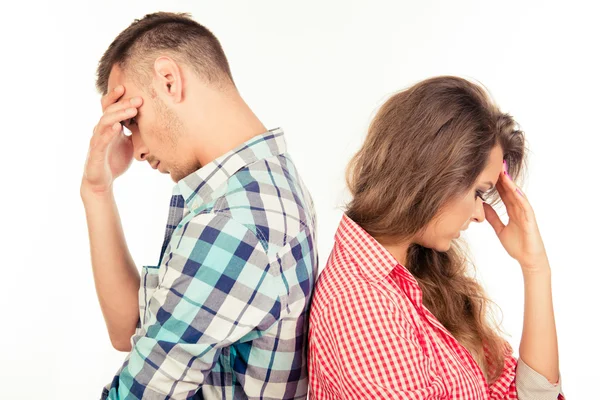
(319, 69)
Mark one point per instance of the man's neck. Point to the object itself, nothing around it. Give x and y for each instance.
(224, 124)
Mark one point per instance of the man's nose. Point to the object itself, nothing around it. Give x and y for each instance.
(140, 155)
(140, 151)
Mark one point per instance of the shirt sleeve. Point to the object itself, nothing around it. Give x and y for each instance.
(359, 348)
(519, 381)
(215, 289)
(531, 385)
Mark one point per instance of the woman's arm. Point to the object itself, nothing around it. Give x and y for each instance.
(522, 240)
(539, 346)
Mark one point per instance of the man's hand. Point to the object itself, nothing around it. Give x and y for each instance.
(110, 152)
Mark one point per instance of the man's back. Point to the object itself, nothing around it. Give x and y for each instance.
(226, 310)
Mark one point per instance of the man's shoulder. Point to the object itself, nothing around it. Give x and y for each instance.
(269, 198)
(275, 176)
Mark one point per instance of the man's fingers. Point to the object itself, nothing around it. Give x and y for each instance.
(111, 97)
(109, 119)
(111, 122)
(124, 104)
(100, 142)
(107, 129)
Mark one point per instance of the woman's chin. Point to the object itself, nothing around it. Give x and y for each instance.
(444, 246)
(439, 246)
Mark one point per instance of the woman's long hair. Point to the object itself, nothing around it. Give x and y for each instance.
(426, 145)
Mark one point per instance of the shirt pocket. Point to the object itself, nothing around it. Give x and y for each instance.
(148, 284)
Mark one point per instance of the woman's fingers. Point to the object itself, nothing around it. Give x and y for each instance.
(506, 196)
(516, 202)
(492, 217)
(516, 195)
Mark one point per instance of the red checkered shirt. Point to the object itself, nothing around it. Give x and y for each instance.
(371, 337)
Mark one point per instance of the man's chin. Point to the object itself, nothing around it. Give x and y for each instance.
(174, 177)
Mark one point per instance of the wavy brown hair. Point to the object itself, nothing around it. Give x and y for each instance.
(426, 145)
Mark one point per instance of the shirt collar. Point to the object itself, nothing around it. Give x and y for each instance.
(375, 261)
(202, 186)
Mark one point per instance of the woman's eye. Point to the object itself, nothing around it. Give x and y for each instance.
(480, 195)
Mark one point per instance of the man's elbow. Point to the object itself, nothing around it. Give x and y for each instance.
(120, 337)
(121, 344)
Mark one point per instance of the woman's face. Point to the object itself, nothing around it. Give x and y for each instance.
(458, 214)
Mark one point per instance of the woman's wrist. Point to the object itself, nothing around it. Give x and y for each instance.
(540, 265)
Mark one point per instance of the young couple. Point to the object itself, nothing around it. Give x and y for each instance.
(233, 308)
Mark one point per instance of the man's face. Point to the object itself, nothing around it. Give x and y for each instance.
(157, 132)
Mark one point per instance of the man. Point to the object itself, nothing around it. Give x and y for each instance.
(224, 313)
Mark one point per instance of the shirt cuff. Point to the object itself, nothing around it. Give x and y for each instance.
(531, 385)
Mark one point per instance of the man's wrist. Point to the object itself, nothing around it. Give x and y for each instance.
(89, 193)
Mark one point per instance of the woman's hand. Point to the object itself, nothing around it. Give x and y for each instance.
(520, 237)
(522, 240)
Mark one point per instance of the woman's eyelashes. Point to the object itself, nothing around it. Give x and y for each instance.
(479, 194)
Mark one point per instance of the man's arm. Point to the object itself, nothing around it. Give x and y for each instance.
(115, 274)
(109, 156)
(215, 289)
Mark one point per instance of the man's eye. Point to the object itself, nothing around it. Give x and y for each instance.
(126, 130)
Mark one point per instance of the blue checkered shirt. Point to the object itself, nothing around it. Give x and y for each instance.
(224, 315)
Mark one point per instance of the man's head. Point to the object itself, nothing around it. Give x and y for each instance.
(174, 64)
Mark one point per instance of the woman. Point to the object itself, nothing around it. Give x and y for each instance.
(395, 314)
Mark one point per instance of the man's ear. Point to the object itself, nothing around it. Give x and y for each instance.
(168, 78)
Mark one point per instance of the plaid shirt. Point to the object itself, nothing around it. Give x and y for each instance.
(224, 314)
(371, 337)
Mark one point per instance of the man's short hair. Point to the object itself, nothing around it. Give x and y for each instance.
(176, 35)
